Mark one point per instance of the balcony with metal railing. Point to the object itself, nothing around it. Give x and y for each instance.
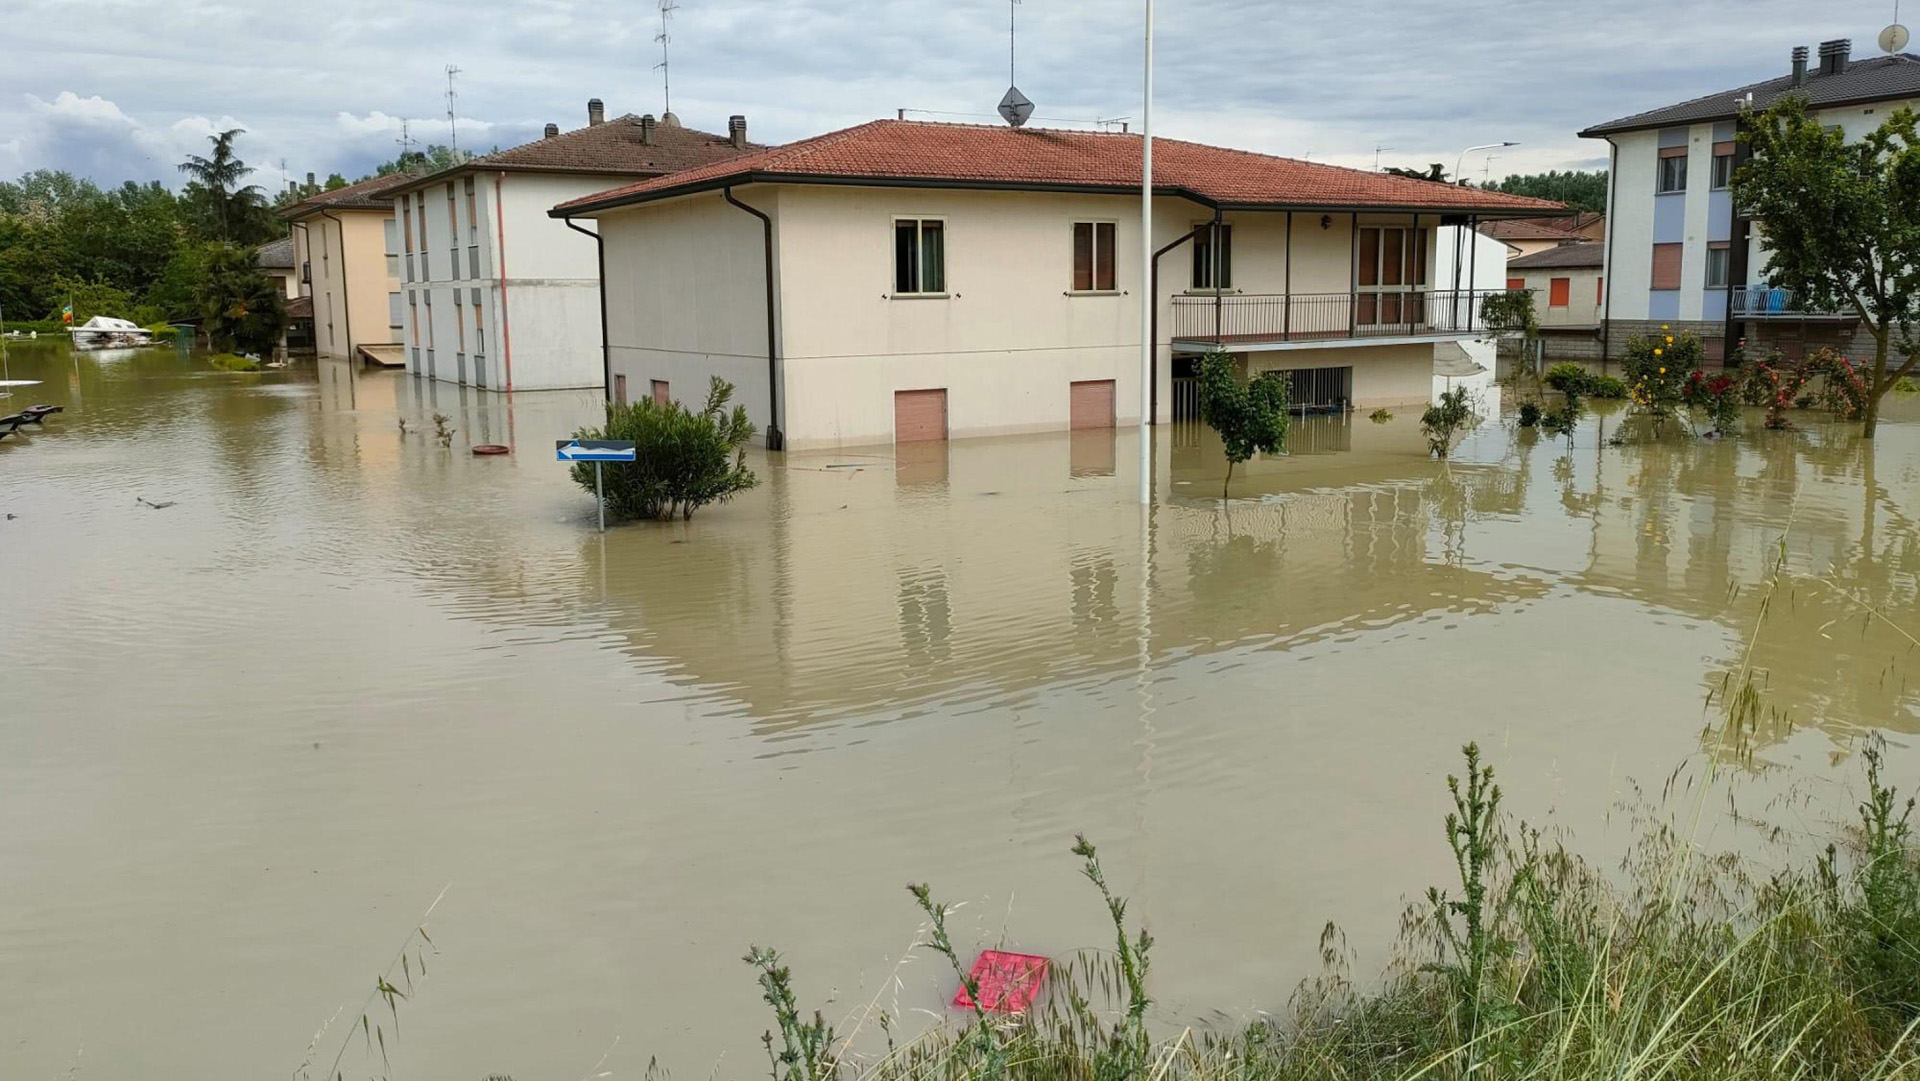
(1281, 320)
(1772, 302)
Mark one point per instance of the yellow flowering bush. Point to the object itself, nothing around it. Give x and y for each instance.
(1657, 368)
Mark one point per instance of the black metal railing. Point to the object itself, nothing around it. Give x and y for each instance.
(1762, 301)
(1246, 318)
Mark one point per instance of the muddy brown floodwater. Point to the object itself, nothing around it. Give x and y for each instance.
(247, 739)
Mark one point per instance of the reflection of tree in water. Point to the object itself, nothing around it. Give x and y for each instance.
(926, 616)
(1093, 580)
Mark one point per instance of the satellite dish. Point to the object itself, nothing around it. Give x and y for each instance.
(1894, 38)
(1015, 108)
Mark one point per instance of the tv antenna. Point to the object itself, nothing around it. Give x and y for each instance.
(1376, 156)
(1015, 108)
(1894, 38)
(453, 134)
(667, 8)
(406, 138)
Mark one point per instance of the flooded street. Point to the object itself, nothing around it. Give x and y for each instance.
(250, 737)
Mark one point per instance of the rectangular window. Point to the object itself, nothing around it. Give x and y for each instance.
(1599, 290)
(919, 256)
(473, 216)
(660, 392)
(393, 311)
(1673, 170)
(459, 323)
(1722, 171)
(1717, 253)
(1514, 285)
(1559, 292)
(391, 229)
(1213, 268)
(413, 316)
(1666, 266)
(479, 329)
(453, 235)
(426, 270)
(620, 389)
(1093, 257)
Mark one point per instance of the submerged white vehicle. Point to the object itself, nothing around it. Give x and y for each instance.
(106, 332)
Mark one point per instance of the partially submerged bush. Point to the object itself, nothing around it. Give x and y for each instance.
(683, 460)
(1445, 418)
(234, 362)
(1606, 386)
(1567, 376)
(1249, 416)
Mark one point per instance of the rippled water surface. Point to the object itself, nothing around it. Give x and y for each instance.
(248, 738)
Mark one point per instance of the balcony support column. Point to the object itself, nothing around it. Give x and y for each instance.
(1213, 252)
(1286, 309)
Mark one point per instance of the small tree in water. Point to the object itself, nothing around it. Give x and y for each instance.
(682, 460)
(1248, 417)
(1842, 224)
(1445, 418)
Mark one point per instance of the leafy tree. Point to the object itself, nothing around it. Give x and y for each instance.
(1578, 189)
(228, 210)
(1249, 417)
(433, 159)
(242, 308)
(1842, 225)
(1444, 419)
(683, 460)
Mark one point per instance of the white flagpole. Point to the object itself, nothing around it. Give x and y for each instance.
(1147, 345)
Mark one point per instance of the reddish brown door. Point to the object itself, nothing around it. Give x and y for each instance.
(919, 415)
(659, 392)
(1091, 404)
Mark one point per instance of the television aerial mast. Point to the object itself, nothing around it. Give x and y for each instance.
(1015, 107)
(667, 8)
(453, 134)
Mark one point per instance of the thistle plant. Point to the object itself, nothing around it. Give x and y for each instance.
(990, 1053)
(1128, 1048)
(806, 1046)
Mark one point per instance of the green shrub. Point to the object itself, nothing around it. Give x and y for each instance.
(1567, 376)
(1657, 369)
(1249, 417)
(683, 460)
(1529, 414)
(164, 332)
(1606, 386)
(1445, 418)
(231, 362)
(1380, 416)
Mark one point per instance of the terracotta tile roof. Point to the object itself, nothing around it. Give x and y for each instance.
(610, 147)
(1532, 229)
(300, 308)
(911, 152)
(374, 194)
(1586, 253)
(1881, 78)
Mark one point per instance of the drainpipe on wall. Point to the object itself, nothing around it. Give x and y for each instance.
(506, 322)
(1739, 233)
(1153, 309)
(1213, 252)
(606, 344)
(346, 297)
(1606, 262)
(776, 439)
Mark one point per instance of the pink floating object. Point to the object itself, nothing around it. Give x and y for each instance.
(1008, 982)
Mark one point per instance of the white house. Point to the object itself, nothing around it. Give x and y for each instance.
(903, 280)
(493, 293)
(1676, 251)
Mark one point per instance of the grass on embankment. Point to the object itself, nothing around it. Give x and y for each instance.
(1533, 965)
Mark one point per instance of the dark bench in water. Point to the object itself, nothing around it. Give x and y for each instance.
(33, 414)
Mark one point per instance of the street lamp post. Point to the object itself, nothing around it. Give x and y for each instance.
(1147, 345)
(1458, 234)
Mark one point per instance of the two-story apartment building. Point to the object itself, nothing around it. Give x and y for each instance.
(494, 293)
(342, 241)
(1568, 287)
(903, 280)
(1677, 250)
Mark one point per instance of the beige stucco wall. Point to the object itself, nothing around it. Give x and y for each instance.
(1008, 338)
(1583, 303)
(347, 256)
(1383, 375)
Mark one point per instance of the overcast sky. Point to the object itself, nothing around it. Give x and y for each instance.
(118, 89)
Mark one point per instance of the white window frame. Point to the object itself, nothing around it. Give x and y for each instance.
(1716, 182)
(1094, 224)
(893, 269)
(1725, 259)
(1660, 175)
(1214, 265)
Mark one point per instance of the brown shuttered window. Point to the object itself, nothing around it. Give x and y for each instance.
(1516, 284)
(1093, 256)
(1666, 266)
(1559, 292)
(1369, 257)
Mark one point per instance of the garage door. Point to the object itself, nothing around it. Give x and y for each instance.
(1092, 404)
(919, 415)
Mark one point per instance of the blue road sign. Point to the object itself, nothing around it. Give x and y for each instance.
(594, 450)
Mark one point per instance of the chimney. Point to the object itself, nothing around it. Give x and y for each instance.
(646, 130)
(552, 130)
(309, 180)
(1833, 56)
(1799, 65)
(596, 111)
(737, 131)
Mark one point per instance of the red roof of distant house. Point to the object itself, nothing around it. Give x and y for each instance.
(613, 146)
(370, 194)
(1558, 229)
(916, 153)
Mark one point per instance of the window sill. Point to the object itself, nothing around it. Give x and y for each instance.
(1093, 292)
(1676, 191)
(1213, 292)
(919, 296)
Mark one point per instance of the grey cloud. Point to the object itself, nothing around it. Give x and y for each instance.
(1331, 79)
